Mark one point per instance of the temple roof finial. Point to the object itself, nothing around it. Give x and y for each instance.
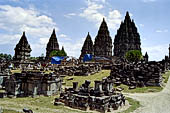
(53, 31)
(23, 33)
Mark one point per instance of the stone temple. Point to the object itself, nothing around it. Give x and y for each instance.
(22, 50)
(52, 44)
(87, 47)
(127, 38)
(103, 42)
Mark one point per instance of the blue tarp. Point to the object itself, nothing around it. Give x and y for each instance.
(87, 57)
(56, 60)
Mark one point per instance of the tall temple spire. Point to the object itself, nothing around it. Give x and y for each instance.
(53, 33)
(127, 37)
(103, 41)
(22, 49)
(146, 57)
(169, 51)
(87, 47)
(52, 44)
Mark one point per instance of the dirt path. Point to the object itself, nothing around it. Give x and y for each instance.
(153, 102)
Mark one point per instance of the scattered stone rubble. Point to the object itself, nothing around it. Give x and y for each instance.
(102, 98)
(138, 75)
(79, 70)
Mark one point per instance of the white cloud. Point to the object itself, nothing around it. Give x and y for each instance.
(14, 0)
(69, 15)
(161, 31)
(156, 52)
(72, 48)
(114, 19)
(65, 37)
(9, 39)
(15, 20)
(146, 1)
(93, 13)
(141, 25)
(103, 1)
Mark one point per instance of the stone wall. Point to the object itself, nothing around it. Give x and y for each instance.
(32, 84)
(140, 74)
(101, 98)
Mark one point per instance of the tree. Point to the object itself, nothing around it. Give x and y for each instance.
(134, 55)
(58, 53)
(6, 57)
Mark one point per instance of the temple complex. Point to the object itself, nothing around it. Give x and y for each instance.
(103, 42)
(22, 50)
(127, 38)
(87, 47)
(52, 44)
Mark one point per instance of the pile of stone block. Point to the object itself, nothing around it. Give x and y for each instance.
(101, 98)
(79, 70)
(138, 75)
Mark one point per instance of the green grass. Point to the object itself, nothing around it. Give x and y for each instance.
(9, 111)
(141, 90)
(166, 77)
(81, 79)
(35, 104)
(16, 71)
(133, 105)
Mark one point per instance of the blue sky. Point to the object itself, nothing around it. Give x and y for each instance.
(73, 19)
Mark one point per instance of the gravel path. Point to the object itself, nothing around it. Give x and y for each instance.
(153, 102)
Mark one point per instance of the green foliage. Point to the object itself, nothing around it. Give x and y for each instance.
(34, 58)
(58, 53)
(6, 57)
(134, 55)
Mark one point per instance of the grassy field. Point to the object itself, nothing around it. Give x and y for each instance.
(141, 90)
(81, 79)
(39, 104)
(133, 105)
(43, 104)
(166, 77)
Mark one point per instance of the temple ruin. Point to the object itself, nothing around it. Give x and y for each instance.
(103, 42)
(22, 50)
(52, 45)
(87, 47)
(127, 38)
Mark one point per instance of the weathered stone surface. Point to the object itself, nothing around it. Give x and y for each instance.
(103, 42)
(127, 38)
(102, 98)
(79, 70)
(22, 50)
(52, 44)
(87, 47)
(32, 84)
(138, 75)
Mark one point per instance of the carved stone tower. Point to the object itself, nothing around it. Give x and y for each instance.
(169, 51)
(52, 44)
(127, 38)
(146, 57)
(103, 42)
(87, 47)
(22, 50)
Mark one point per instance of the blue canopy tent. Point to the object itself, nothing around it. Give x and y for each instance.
(87, 57)
(56, 60)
